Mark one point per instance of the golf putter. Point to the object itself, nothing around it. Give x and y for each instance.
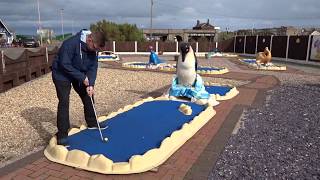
(95, 113)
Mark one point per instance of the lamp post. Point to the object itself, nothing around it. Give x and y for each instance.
(61, 13)
(151, 19)
(39, 23)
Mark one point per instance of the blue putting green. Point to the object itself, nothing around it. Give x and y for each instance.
(249, 60)
(209, 69)
(136, 131)
(221, 90)
(139, 64)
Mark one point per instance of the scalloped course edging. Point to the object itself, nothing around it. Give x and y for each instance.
(231, 94)
(137, 163)
(269, 68)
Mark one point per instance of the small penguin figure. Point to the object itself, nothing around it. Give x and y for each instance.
(186, 66)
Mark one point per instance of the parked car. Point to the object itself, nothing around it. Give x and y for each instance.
(30, 43)
(107, 56)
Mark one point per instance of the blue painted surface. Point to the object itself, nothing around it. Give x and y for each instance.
(221, 90)
(139, 64)
(105, 56)
(209, 68)
(136, 131)
(249, 60)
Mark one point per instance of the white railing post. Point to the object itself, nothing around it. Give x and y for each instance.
(3, 62)
(271, 42)
(257, 37)
(287, 50)
(47, 55)
(308, 49)
(114, 46)
(244, 46)
(234, 44)
(157, 46)
(135, 47)
(197, 47)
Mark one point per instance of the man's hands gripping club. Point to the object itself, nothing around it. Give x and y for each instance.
(89, 89)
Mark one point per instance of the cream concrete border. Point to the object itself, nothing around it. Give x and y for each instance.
(231, 94)
(130, 65)
(268, 68)
(137, 163)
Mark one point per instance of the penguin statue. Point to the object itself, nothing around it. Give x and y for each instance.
(187, 83)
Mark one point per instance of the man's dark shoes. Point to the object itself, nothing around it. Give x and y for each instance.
(62, 141)
(102, 126)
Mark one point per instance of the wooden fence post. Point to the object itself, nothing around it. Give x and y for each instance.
(197, 47)
(47, 55)
(3, 62)
(177, 47)
(257, 37)
(114, 46)
(271, 38)
(135, 47)
(157, 46)
(287, 50)
(308, 49)
(234, 44)
(244, 46)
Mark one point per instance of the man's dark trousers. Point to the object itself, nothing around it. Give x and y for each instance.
(63, 89)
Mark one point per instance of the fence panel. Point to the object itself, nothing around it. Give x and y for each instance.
(167, 46)
(263, 42)
(145, 46)
(298, 46)
(239, 44)
(109, 46)
(226, 45)
(206, 46)
(251, 44)
(279, 46)
(125, 46)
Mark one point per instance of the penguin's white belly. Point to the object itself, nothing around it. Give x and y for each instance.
(186, 77)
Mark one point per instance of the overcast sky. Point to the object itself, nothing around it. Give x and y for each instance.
(22, 15)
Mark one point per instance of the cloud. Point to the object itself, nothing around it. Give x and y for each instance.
(22, 16)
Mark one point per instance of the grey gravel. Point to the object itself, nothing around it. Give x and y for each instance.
(280, 140)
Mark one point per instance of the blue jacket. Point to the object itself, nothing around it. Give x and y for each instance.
(72, 64)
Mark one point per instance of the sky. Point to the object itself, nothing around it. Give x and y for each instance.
(22, 15)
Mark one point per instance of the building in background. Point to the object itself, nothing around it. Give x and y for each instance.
(6, 35)
(200, 32)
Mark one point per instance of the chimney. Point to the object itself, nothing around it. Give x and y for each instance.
(198, 22)
(208, 21)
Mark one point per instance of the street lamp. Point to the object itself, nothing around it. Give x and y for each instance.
(151, 20)
(61, 13)
(39, 23)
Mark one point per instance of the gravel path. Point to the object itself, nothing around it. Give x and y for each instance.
(28, 112)
(280, 140)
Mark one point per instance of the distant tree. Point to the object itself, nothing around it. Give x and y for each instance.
(118, 32)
